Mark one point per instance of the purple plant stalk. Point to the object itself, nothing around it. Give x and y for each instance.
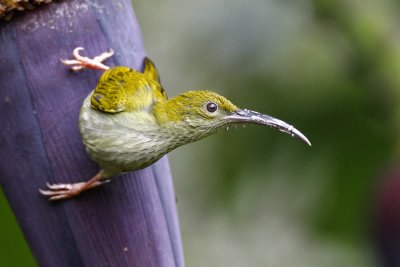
(131, 221)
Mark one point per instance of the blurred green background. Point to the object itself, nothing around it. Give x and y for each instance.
(254, 196)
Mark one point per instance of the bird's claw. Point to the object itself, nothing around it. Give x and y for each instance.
(64, 191)
(59, 186)
(80, 62)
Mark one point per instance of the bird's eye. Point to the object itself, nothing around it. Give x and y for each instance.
(211, 107)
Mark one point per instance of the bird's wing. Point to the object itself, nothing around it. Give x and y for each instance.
(124, 89)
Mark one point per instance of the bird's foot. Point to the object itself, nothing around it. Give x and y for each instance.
(81, 62)
(64, 191)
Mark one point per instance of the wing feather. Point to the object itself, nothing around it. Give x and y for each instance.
(124, 89)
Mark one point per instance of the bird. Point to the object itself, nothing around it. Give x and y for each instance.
(127, 122)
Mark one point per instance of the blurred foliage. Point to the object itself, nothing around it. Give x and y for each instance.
(14, 252)
(254, 196)
(328, 67)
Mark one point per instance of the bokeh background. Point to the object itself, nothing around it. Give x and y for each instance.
(253, 196)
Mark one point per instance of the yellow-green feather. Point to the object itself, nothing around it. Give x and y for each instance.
(137, 124)
(191, 104)
(124, 89)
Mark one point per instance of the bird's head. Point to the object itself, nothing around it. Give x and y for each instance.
(202, 113)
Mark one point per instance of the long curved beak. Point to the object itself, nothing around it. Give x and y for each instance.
(249, 116)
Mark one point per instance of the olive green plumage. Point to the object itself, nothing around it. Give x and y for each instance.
(124, 89)
(127, 122)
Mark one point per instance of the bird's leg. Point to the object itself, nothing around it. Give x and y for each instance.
(81, 62)
(64, 191)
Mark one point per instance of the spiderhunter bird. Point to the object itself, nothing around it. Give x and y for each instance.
(127, 122)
